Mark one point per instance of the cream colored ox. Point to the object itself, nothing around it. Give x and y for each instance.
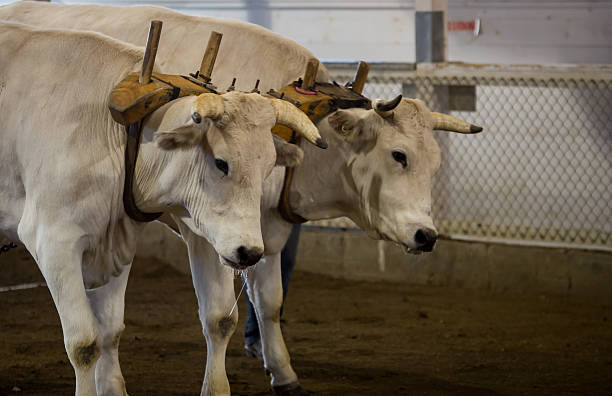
(378, 169)
(266, 50)
(203, 158)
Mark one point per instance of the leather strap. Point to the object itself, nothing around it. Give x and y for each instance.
(284, 208)
(131, 155)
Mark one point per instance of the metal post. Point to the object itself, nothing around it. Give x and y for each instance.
(258, 12)
(430, 30)
(430, 47)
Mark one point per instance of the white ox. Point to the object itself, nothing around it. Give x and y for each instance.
(62, 166)
(378, 169)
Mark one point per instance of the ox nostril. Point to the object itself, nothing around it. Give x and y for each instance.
(420, 237)
(248, 256)
(425, 239)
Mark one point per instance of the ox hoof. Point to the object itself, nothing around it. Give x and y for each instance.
(254, 350)
(293, 389)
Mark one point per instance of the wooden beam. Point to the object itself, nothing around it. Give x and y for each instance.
(210, 56)
(311, 74)
(150, 52)
(360, 77)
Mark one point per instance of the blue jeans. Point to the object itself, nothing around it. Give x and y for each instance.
(288, 254)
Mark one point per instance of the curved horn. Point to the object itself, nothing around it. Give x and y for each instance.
(384, 108)
(207, 105)
(445, 122)
(290, 116)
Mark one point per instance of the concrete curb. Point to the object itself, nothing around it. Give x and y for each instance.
(496, 267)
(476, 265)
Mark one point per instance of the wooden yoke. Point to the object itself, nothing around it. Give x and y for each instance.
(133, 129)
(295, 93)
(138, 95)
(317, 100)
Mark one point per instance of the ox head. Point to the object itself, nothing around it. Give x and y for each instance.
(390, 157)
(216, 151)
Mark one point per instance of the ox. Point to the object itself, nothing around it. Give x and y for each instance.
(202, 158)
(383, 161)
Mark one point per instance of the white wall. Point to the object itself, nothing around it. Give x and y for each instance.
(517, 31)
(533, 32)
(511, 31)
(346, 34)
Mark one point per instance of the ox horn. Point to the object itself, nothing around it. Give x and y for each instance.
(445, 122)
(291, 117)
(384, 108)
(207, 105)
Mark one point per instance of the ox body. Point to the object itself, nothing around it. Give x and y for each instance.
(202, 158)
(250, 51)
(377, 171)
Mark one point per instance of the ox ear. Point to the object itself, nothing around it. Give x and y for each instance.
(345, 123)
(287, 154)
(188, 135)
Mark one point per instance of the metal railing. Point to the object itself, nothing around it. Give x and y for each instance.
(540, 173)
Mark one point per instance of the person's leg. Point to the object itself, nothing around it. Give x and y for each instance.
(288, 255)
(251, 330)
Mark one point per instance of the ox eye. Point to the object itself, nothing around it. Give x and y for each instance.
(400, 157)
(222, 165)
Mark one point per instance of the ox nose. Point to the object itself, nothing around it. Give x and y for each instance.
(247, 257)
(425, 239)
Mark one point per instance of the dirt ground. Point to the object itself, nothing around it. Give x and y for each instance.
(345, 338)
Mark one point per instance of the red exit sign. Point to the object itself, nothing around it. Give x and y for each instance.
(457, 26)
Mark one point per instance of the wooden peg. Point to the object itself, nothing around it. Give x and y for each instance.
(150, 52)
(256, 89)
(210, 56)
(311, 74)
(233, 86)
(360, 77)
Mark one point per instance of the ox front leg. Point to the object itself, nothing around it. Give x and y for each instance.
(214, 286)
(108, 303)
(60, 263)
(266, 294)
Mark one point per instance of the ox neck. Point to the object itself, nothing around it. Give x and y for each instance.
(319, 190)
(151, 162)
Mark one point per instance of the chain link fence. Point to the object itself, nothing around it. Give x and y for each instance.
(540, 173)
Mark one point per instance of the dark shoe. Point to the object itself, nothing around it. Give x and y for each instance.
(253, 350)
(293, 389)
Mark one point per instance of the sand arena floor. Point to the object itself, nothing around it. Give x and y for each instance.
(345, 338)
